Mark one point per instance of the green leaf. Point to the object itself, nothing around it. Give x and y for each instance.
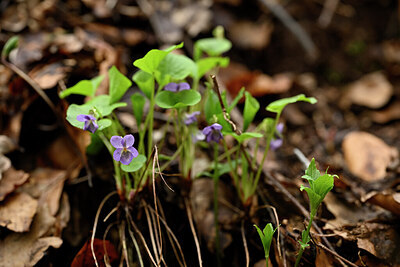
(323, 185)
(168, 99)
(315, 199)
(119, 84)
(224, 168)
(104, 123)
(11, 44)
(262, 237)
(149, 63)
(266, 237)
(145, 82)
(135, 164)
(251, 106)
(177, 67)
(84, 87)
(236, 100)
(244, 136)
(312, 173)
(212, 106)
(212, 46)
(138, 102)
(206, 64)
(278, 105)
(100, 104)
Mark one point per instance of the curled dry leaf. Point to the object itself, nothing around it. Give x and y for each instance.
(367, 156)
(236, 76)
(11, 180)
(17, 211)
(46, 185)
(47, 76)
(387, 200)
(372, 91)
(388, 114)
(26, 249)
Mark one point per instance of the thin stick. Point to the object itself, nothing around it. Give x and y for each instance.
(153, 243)
(172, 234)
(158, 238)
(106, 258)
(123, 240)
(335, 254)
(135, 243)
(96, 219)
(130, 220)
(226, 115)
(293, 26)
(196, 241)
(246, 250)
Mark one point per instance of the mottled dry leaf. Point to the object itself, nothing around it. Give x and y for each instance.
(251, 35)
(388, 114)
(367, 156)
(68, 43)
(387, 200)
(17, 211)
(11, 180)
(322, 259)
(46, 185)
(236, 76)
(26, 249)
(372, 91)
(47, 76)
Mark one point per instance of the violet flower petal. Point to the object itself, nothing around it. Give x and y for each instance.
(173, 87)
(191, 118)
(126, 157)
(183, 86)
(217, 126)
(128, 140)
(91, 126)
(116, 141)
(117, 154)
(134, 152)
(279, 127)
(275, 144)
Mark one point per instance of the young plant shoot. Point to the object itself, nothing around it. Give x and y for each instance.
(320, 185)
(266, 238)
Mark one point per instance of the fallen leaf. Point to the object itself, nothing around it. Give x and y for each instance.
(47, 76)
(6, 144)
(5, 164)
(387, 200)
(85, 257)
(391, 51)
(15, 18)
(251, 35)
(11, 180)
(367, 156)
(236, 76)
(372, 91)
(46, 185)
(388, 114)
(17, 211)
(26, 249)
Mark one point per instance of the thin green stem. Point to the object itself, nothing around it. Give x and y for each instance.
(269, 138)
(216, 180)
(298, 259)
(117, 170)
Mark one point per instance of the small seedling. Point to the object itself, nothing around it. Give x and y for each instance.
(320, 185)
(266, 238)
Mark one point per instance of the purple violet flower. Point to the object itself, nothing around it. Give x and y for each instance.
(177, 87)
(124, 151)
(213, 133)
(198, 136)
(90, 122)
(191, 118)
(276, 143)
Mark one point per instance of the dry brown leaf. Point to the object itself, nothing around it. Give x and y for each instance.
(388, 114)
(17, 211)
(68, 43)
(47, 76)
(372, 91)
(26, 249)
(251, 35)
(11, 180)
(387, 200)
(391, 51)
(6, 144)
(367, 156)
(46, 185)
(236, 76)
(15, 18)
(322, 259)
